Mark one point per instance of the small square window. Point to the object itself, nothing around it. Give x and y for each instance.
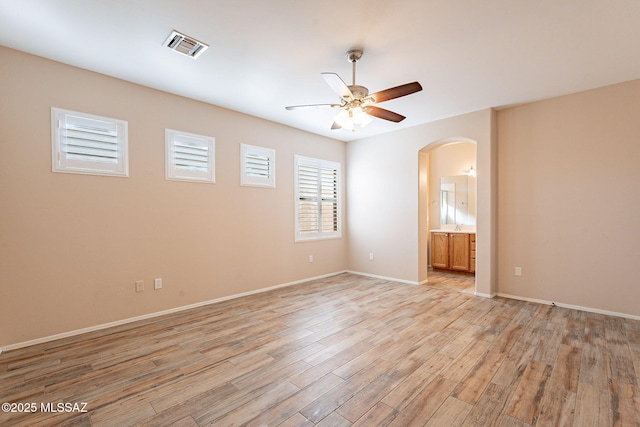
(257, 166)
(189, 157)
(88, 144)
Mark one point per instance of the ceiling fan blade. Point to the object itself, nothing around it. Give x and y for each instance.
(381, 113)
(396, 92)
(301, 107)
(338, 85)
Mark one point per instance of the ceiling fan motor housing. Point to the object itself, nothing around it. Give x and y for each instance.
(354, 54)
(358, 91)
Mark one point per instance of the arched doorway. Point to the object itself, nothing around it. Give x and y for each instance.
(451, 158)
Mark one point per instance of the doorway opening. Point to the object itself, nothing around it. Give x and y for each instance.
(447, 203)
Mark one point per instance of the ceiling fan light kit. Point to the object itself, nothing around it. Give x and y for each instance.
(356, 103)
(347, 119)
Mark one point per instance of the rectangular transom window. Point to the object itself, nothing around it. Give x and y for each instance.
(317, 192)
(88, 144)
(257, 166)
(189, 157)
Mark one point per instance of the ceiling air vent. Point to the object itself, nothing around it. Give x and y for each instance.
(185, 45)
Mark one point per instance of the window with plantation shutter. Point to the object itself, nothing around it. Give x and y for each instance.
(317, 187)
(88, 144)
(189, 157)
(257, 166)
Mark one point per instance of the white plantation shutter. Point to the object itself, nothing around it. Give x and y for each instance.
(329, 200)
(257, 166)
(88, 144)
(308, 212)
(189, 157)
(317, 198)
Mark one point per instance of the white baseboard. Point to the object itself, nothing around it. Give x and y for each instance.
(156, 314)
(480, 294)
(571, 306)
(391, 279)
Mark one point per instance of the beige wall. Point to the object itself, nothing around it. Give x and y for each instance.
(387, 198)
(569, 199)
(72, 246)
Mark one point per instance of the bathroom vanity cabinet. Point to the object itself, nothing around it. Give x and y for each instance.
(454, 251)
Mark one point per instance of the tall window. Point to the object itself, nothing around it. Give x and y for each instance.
(317, 188)
(88, 144)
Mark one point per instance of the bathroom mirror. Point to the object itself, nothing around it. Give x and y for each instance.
(456, 192)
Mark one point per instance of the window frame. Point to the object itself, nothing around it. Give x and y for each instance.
(63, 121)
(319, 164)
(246, 179)
(175, 173)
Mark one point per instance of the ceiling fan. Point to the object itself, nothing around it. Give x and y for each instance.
(356, 105)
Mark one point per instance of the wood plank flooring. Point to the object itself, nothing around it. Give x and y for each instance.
(341, 351)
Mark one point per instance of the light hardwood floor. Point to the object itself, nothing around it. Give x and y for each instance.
(458, 282)
(346, 350)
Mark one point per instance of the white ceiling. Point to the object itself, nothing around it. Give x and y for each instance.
(264, 55)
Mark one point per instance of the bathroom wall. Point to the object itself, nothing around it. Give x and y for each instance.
(451, 159)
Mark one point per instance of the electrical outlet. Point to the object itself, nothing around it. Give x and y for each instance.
(139, 285)
(518, 271)
(310, 258)
(371, 256)
(157, 283)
